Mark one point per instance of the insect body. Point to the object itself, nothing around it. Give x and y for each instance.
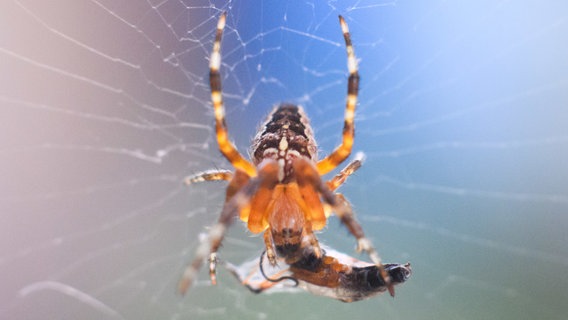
(334, 275)
(281, 192)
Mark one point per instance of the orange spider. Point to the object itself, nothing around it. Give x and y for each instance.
(281, 192)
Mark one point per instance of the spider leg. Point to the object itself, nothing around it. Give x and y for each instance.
(225, 146)
(314, 247)
(239, 193)
(344, 211)
(340, 178)
(214, 238)
(344, 149)
(307, 174)
(238, 182)
(209, 175)
(269, 244)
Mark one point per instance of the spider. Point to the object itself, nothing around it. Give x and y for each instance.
(281, 192)
(334, 275)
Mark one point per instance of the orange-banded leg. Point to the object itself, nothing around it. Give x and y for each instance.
(340, 178)
(344, 149)
(306, 174)
(225, 146)
(239, 194)
(209, 175)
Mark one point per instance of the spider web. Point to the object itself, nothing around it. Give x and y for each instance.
(105, 109)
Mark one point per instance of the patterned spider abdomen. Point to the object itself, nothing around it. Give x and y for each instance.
(285, 135)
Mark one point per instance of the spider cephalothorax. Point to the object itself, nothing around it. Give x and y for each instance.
(281, 192)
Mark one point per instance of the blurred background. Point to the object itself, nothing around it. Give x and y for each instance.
(105, 109)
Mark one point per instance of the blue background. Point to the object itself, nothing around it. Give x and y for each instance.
(462, 116)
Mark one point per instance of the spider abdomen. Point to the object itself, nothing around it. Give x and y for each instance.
(285, 135)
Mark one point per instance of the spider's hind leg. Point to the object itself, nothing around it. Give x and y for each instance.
(209, 246)
(239, 193)
(343, 151)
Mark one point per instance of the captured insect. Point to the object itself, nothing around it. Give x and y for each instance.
(281, 192)
(335, 275)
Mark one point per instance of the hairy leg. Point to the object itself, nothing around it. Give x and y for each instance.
(239, 194)
(225, 145)
(209, 175)
(342, 176)
(344, 149)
